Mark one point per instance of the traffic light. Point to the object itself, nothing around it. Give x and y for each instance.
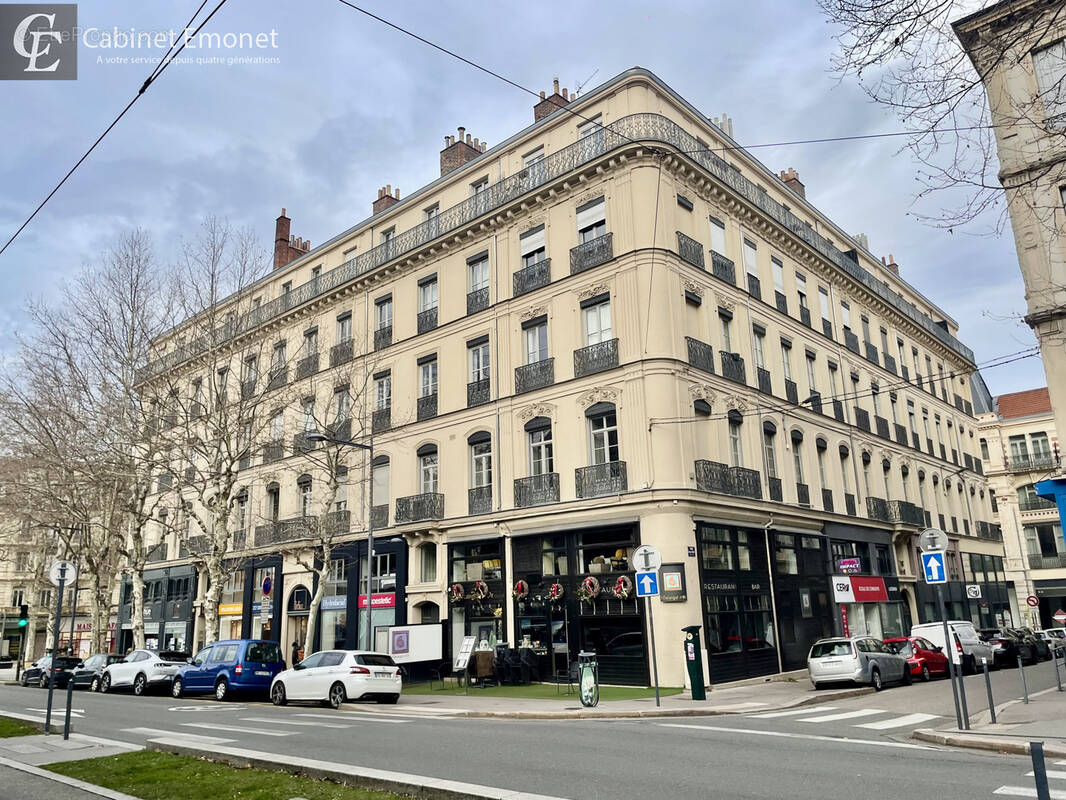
(24, 616)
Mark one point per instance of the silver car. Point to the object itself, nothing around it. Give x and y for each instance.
(859, 659)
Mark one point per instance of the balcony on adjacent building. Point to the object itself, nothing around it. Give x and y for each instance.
(754, 287)
(382, 337)
(1035, 503)
(862, 419)
(722, 267)
(805, 316)
(478, 393)
(534, 376)
(803, 494)
(599, 480)
(341, 353)
(1057, 561)
(827, 499)
(277, 378)
(379, 516)
(477, 300)
(479, 500)
(881, 424)
(1037, 461)
(381, 420)
(700, 354)
(890, 363)
(901, 434)
(763, 377)
(340, 429)
(591, 253)
(816, 402)
(595, 358)
(301, 444)
(712, 476)
(776, 494)
(690, 250)
(781, 302)
(307, 366)
(905, 513)
(532, 277)
(732, 366)
(536, 490)
(871, 353)
(849, 505)
(877, 508)
(273, 451)
(419, 507)
(838, 410)
(427, 406)
(427, 320)
(851, 341)
(792, 392)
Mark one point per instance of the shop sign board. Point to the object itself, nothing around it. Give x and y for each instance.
(856, 589)
(411, 643)
(849, 566)
(462, 658)
(672, 583)
(382, 600)
(973, 591)
(334, 602)
(933, 567)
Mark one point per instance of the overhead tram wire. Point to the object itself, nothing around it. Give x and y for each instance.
(167, 60)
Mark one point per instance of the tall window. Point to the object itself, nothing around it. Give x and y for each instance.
(541, 453)
(845, 315)
(278, 359)
(1049, 64)
(478, 186)
(801, 290)
(822, 477)
(591, 221)
(533, 156)
(344, 328)
(431, 213)
(311, 342)
(797, 458)
(273, 502)
(751, 263)
(769, 452)
(589, 127)
(481, 463)
(786, 359)
(428, 562)
(893, 405)
(478, 273)
(427, 295)
(532, 246)
(598, 323)
(844, 467)
(307, 412)
(479, 362)
(884, 341)
(1041, 445)
(759, 342)
(736, 450)
(875, 393)
(305, 499)
(427, 378)
(380, 481)
(778, 270)
(427, 470)
(536, 337)
(277, 426)
(718, 236)
(251, 370)
(865, 329)
(383, 393)
(812, 377)
(984, 450)
(727, 331)
(912, 420)
(1019, 449)
(603, 431)
(823, 302)
(342, 405)
(383, 313)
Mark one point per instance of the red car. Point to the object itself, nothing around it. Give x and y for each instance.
(924, 657)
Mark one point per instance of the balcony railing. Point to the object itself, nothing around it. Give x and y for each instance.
(805, 316)
(592, 253)
(427, 406)
(1025, 462)
(792, 392)
(827, 499)
(297, 528)
(765, 384)
(381, 421)
(803, 494)
(301, 444)
(849, 505)
(905, 513)
(601, 479)
(620, 134)
(532, 277)
(382, 337)
(862, 419)
(477, 300)
(690, 250)
(536, 490)
(851, 341)
(882, 427)
(890, 363)
(774, 485)
(722, 267)
(1057, 561)
(340, 429)
(277, 378)
(1035, 504)
(871, 353)
(816, 402)
(827, 328)
(754, 287)
(273, 451)
(247, 389)
(700, 354)
(307, 366)
(732, 367)
(379, 516)
(477, 393)
(427, 320)
(596, 358)
(419, 507)
(534, 376)
(838, 410)
(877, 508)
(781, 302)
(341, 353)
(479, 500)
(712, 476)
(901, 434)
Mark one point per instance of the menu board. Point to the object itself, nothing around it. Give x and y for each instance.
(462, 658)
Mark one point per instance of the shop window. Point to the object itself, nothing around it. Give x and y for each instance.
(606, 551)
(553, 558)
(743, 551)
(723, 623)
(481, 561)
(758, 628)
(428, 562)
(785, 554)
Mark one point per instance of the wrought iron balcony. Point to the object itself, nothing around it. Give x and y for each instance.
(596, 358)
(601, 479)
(700, 354)
(827, 328)
(532, 277)
(277, 378)
(712, 476)
(792, 392)
(838, 410)
(765, 384)
(340, 429)
(805, 316)
(427, 320)
(273, 451)
(427, 406)
(890, 363)
(478, 393)
(882, 427)
(296, 528)
(943, 452)
(690, 250)
(746, 482)
(754, 287)
(307, 366)
(905, 513)
(905, 372)
(1036, 503)
(775, 489)
(916, 440)
(247, 389)
(382, 337)
(722, 267)
(1057, 561)
(592, 253)
(341, 353)
(379, 516)
(849, 504)
(803, 494)
(477, 300)
(816, 402)
(871, 353)
(901, 434)
(958, 403)
(381, 421)
(781, 302)
(479, 500)
(851, 341)
(877, 508)
(986, 530)
(1037, 461)
(301, 444)
(862, 419)
(419, 507)
(732, 367)
(534, 376)
(827, 499)
(189, 475)
(536, 490)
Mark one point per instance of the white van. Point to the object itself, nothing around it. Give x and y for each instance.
(967, 647)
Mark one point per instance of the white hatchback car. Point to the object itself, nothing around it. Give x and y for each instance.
(141, 669)
(335, 676)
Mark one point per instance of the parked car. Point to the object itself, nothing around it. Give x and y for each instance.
(31, 676)
(924, 658)
(1007, 646)
(1040, 646)
(141, 670)
(859, 659)
(61, 666)
(966, 648)
(241, 665)
(335, 676)
(88, 673)
(1055, 638)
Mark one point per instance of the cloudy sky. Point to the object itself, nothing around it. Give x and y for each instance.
(352, 105)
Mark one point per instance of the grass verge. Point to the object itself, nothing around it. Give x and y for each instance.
(163, 776)
(542, 691)
(16, 727)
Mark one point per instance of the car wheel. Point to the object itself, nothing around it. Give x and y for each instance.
(337, 695)
(94, 684)
(391, 699)
(925, 673)
(105, 683)
(140, 683)
(221, 689)
(177, 688)
(277, 694)
(24, 680)
(875, 680)
(43, 682)
(907, 677)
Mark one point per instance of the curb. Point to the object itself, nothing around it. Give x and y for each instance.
(91, 788)
(995, 744)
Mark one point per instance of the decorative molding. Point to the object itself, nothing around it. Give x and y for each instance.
(734, 403)
(532, 222)
(590, 195)
(531, 312)
(592, 291)
(695, 288)
(536, 410)
(725, 302)
(599, 394)
(886, 455)
(701, 391)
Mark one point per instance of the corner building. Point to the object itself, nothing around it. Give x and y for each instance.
(617, 328)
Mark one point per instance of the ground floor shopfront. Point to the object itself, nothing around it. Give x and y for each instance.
(1051, 599)
(168, 610)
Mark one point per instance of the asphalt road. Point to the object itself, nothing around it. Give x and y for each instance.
(838, 748)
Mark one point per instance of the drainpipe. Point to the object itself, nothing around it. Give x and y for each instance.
(773, 598)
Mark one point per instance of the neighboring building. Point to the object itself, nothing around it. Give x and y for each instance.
(1020, 448)
(599, 334)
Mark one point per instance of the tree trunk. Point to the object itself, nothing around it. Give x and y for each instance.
(137, 607)
(216, 580)
(322, 572)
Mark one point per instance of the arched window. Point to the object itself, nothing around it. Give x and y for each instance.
(427, 559)
(797, 456)
(603, 433)
(480, 459)
(541, 453)
(769, 452)
(845, 468)
(427, 469)
(984, 450)
(736, 448)
(820, 447)
(428, 612)
(273, 494)
(303, 483)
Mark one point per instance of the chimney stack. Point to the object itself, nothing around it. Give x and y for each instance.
(891, 264)
(725, 124)
(286, 246)
(863, 240)
(459, 150)
(387, 198)
(549, 104)
(791, 179)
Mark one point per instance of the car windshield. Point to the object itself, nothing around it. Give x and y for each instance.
(903, 648)
(173, 655)
(824, 649)
(264, 652)
(66, 663)
(376, 660)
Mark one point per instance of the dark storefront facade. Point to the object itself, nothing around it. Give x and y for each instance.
(1052, 597)
(980, 594)
(866, 591)
(168, 609)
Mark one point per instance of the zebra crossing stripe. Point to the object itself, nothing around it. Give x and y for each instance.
(1025, 791)
(794, 712)
(1051, 773)
(862, 712)
(897, 722)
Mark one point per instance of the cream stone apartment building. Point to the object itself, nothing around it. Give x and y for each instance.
(614, 328)
(1020, 447)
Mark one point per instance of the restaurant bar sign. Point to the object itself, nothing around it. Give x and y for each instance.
(849, 566)
(672, 583)
(855, 589)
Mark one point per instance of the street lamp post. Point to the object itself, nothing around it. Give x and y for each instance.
(316, 436)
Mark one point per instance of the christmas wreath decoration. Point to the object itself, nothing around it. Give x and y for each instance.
(589, 590)
(623, 587)
(555, 592)
(480, 591)
(455, 593)
(520, 590)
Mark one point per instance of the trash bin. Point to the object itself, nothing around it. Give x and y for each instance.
(694, 662)
(588, 678)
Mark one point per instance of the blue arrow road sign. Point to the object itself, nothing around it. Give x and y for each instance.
(647, 584)
(933, 564)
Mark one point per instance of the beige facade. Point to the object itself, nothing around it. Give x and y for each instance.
(634, 340)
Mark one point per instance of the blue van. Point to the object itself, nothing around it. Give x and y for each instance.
(233, 665)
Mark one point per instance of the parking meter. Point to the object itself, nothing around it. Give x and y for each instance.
(694, 662)
(588, 678)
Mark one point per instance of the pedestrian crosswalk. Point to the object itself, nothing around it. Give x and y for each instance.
(857, 718)
(1027, 787)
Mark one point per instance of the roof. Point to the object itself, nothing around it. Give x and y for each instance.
(1023, 404)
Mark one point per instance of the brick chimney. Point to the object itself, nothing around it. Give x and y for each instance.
(387, 198)
(891, 264)
(459, 150)
(286, 246)
(791, 179)
(549, 104)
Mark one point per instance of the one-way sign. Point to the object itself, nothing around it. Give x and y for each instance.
(933, 565)
(647, 584)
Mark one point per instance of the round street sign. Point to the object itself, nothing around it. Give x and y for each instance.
(933, 539)
(647, 558)
(70, 573)
(268, 584)
(1032, 601)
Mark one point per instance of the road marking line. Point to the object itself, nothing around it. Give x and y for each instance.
(1025, 791)
(898, 722)
(751, 706)
(1051, 773)
(214, 726)
(274, 721)
(794, 712)
(862, 712)
(334, 716)
(192, 736)
(808, 736)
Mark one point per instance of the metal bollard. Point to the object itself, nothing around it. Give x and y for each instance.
(988, 689)
(70, 698)
(1025, 686)
(962, 699)
(1036, 750)
(1055, 661)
